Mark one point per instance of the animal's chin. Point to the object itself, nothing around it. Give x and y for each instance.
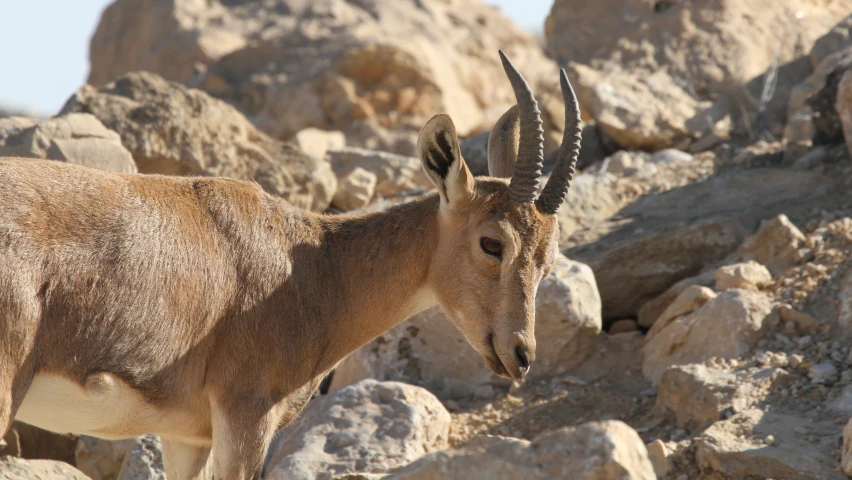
(493, 360)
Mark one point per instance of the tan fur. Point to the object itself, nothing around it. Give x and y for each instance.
(207, 311)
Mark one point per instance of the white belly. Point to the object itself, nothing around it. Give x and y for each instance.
(106, 407)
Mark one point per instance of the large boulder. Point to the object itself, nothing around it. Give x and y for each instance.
(78, 138)
(659, 240)
(395, 174)
(711, 47)
(596, 450)
(13, 468)
(654, 86)
(724, 327)
(638, 111)
(738, 447)
(428, 350)
(375, 70)
(369, 427)
(174, 130)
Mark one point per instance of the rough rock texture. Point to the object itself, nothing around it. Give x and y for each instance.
(701, 395)
(101, 459)
(590, 199)
(710, 46)
(12, 468)
(428, 350)
(317, 143)
(10, 126)
(776, 245)
(724, 327)
(375, 70)
(659, 453)
(144, 461)
(592, 451)
(748, 276)
(77, 138)
(651, 310)
(639, 111)
(660, 239)
(837, 39)
(724, 451)
(395, 174)
(689, 300)
(174, 130)
(368, 427)
(355, 190)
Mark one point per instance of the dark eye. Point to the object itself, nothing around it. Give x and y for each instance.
(491, 246)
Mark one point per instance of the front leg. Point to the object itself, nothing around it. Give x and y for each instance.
(185, 462)
(242, 431)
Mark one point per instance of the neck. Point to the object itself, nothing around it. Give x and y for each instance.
(378, 266)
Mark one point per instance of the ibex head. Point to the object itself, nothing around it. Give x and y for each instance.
(498, 236)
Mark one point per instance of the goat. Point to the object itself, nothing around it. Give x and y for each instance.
(207, 311)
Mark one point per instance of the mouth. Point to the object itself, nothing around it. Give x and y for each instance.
(495, 363)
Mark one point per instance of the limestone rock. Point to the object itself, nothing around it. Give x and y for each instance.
(724, 327)
(837, 39)
(659, 453)
(748, 276)
(12, 126)
(101, 459)
(369, 69)
(661, 239)
(736, 448)
(368, 427)
(77, 138)
(699, 396)
(428, 350)
(144, 461)
(355, 190)
(651, 310)
(173, 130)
(590, 199)
(776, 244)
(596, 450)
(395, 174)
(710, 46)
(839, 60)
(639, 111)
(317, 143)
(13, 468)
(689, 300)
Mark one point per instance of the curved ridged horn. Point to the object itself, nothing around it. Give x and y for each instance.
(554, 192)
(524, 184)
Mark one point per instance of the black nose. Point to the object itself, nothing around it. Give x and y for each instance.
(523, 357)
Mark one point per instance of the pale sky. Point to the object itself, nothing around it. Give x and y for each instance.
(44, 47)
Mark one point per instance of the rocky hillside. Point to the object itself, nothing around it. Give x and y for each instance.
(698, 324)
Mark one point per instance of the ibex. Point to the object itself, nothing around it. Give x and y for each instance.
(207, 311)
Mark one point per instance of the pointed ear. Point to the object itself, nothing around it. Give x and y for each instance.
(503, 144)
(442, 161)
